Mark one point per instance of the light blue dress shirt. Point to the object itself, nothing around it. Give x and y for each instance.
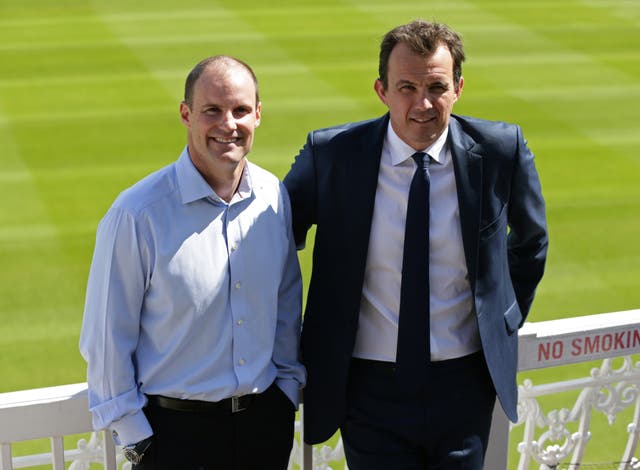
(191, 297)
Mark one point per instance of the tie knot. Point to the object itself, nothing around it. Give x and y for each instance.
(420, 160)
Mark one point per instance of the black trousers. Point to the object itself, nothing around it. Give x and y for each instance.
(259, 437)
(441, 420)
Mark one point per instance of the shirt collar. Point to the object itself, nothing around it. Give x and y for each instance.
(245, 186)
(401, 151)
(193, 186)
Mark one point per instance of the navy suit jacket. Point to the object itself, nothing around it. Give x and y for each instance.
(332, 185)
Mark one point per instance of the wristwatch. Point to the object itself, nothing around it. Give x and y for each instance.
(134, 452)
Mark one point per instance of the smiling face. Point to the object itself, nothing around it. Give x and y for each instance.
(420, 94)
(221, 120)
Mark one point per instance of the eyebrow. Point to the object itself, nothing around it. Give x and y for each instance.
(403, 81)
(219, 106)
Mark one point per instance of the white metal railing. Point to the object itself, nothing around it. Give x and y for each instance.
(548, 440)
(55, 412)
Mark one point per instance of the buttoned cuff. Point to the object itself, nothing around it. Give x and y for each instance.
(291, 389)
(131, 429)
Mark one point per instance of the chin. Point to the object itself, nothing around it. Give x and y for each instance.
(233, 158)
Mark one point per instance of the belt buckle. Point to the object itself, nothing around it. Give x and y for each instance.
(237, 404)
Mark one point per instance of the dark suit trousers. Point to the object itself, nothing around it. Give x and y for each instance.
(260, 437)
(440, 421)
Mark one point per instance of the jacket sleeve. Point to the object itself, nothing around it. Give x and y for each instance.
(528, 237)
(301, 185)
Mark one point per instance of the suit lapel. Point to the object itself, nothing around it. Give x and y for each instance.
(468, 172)
(364, 152)
(361, 149)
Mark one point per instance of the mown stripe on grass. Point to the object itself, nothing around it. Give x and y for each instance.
(42, 231)
(284, 69)
(17, 204)
(335, 103)
(66, 173)
(585, 275)
(61, 46)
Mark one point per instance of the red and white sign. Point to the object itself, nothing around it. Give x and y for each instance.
(564, 341)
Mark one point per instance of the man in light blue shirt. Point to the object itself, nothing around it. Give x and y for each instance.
(193, 309)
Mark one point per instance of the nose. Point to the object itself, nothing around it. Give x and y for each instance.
(228, 122)
(424, 102)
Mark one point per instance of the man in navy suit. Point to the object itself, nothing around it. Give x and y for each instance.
(487, 243)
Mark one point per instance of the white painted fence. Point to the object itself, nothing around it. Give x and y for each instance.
(548, 441)
(612, 388)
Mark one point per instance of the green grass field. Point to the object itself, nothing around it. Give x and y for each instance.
(89, 94)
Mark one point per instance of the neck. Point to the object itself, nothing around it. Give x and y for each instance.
(225, 184)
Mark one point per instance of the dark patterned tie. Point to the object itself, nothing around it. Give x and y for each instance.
(413, 327)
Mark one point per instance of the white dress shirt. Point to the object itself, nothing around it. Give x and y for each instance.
(191, 297)
(453, 323)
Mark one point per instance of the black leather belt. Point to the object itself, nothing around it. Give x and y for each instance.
(468, 360)
(371, 364)
(233, 404)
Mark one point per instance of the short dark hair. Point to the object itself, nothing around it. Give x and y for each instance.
(217, 61)
(423, 38)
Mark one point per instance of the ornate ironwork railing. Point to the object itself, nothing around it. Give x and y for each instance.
(559, 438)
(551, 440)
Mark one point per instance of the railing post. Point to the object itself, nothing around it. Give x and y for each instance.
(307, 457)
(109, 448)
(634, 436)
(498, 449)
(307, 450)
(57, 449)
(6, 463)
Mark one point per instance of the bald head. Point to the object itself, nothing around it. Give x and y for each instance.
(219, 63)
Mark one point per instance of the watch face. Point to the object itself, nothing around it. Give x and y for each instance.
(135, 452)
(131, 455)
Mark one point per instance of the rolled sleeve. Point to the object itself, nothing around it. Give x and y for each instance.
(111, 328)
(131, 429)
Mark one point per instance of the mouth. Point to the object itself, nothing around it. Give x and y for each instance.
(422, 120)
(225, 140)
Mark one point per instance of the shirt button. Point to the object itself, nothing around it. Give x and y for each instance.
(234, 247)
(238, 285)
(241, 362)
(240, 322)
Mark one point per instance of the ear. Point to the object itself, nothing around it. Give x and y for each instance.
(380, 91)
(185, 114)
(258, 113)
(459, 89)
